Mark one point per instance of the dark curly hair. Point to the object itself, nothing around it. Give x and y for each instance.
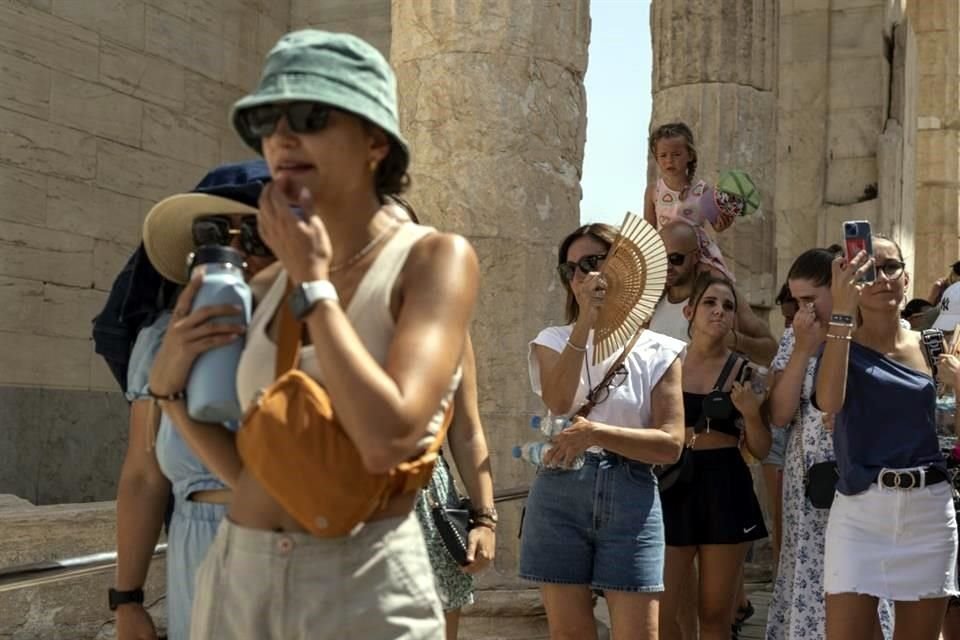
(391, 178)
(676, 130)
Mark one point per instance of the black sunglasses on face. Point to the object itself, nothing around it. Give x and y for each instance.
(218, 230)
(677, 259)
(891, 269)
(586, 264)
(302, 117)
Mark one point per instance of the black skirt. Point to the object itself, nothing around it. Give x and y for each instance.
(717, 506)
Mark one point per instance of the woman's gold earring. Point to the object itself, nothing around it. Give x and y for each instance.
(373, 166)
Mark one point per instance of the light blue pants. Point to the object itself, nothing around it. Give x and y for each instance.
(192, 530)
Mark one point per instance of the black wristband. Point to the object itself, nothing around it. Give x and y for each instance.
(841, 318)
(116, 598)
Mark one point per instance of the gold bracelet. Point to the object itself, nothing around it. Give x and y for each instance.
(576, 348)
(833, 336)
(842, 325)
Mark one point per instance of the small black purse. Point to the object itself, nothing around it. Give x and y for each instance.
(678, 473)
(453, 524)
(820, 484)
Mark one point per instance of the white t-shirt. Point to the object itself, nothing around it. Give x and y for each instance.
(668, 319)
(628, 404)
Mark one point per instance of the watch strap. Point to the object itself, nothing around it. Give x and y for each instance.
(116, 598)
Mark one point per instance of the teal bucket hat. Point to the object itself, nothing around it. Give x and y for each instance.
(337, 69)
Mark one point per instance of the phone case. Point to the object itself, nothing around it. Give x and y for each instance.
(857, 238)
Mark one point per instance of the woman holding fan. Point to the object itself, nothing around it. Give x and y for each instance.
(600, 526)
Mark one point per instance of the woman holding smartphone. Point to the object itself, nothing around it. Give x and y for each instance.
(892, 529)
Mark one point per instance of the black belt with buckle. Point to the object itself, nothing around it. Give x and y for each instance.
(912, 479)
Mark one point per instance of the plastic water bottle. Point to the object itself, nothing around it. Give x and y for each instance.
(759, 380)
(212, 387)
(533, 453)
(549, 426)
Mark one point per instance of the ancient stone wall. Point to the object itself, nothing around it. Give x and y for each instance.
(105, 107)
(369, 19)
(492, 102)
(937, 27)
(715, 69)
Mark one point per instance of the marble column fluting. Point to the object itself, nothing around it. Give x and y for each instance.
(492, 101)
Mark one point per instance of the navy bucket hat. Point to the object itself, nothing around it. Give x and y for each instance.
(168, 228)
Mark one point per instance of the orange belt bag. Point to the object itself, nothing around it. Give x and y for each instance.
(291, 441)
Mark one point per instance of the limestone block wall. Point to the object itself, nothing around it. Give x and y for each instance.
(715, 69)
(105, 107)
(492, 102)
(369, 19)
(937, 27)
(845, 134)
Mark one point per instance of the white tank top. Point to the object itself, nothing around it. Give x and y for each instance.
(668, 319)
(368, 312)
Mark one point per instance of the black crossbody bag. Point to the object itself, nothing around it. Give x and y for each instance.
(716, 405)
(452, 520)
(820, 483)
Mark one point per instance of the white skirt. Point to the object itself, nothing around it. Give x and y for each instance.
(894, 544)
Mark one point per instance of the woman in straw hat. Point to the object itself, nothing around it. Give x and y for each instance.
(221, 210)
(600, 526)
(325, 119)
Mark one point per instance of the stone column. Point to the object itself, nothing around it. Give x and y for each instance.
(714, 68)
(368, 19)
(492, 101)
(937, 27)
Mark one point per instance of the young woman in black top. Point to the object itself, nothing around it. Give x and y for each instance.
(712, 513)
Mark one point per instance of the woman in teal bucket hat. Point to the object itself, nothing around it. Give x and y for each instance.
(386, 303)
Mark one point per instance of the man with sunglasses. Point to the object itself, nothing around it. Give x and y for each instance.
(751, 337)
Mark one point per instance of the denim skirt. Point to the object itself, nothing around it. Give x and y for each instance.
(599, 526)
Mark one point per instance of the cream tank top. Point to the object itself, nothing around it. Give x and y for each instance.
(368, 312)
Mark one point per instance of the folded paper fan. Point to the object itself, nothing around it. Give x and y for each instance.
(636, 272)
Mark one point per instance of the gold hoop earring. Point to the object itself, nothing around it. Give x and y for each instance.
(373, 166)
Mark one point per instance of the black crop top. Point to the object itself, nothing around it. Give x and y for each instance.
(693, 409)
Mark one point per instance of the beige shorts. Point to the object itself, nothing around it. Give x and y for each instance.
(374, 585)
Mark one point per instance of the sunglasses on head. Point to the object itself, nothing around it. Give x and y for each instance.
(302, 117)
(586, 264)
(677, 259)
(218, 230)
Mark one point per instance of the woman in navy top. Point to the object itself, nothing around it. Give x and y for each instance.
(892, 530)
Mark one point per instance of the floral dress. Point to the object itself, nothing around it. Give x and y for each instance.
(454, 587)
(697, 205)
(797, 610)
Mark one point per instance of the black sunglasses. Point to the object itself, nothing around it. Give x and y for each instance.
(302, 117)
(586, 264)
(603, 393)
(891, 269)
(218, 230)
(677, 259)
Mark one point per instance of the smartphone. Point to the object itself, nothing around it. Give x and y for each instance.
(857, 238)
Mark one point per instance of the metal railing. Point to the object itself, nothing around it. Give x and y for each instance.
(40, 573)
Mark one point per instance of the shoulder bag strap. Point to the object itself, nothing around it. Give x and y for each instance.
(728, 366)
(588, 406)
(289, 335)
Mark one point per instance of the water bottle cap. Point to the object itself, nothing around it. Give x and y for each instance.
(216, 254)
(517, 452)
(535, 422)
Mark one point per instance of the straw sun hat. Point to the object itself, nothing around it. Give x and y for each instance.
(168, 229)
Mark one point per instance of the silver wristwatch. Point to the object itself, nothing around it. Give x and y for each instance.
(306, 295)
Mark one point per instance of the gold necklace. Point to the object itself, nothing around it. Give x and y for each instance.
(355, 258)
